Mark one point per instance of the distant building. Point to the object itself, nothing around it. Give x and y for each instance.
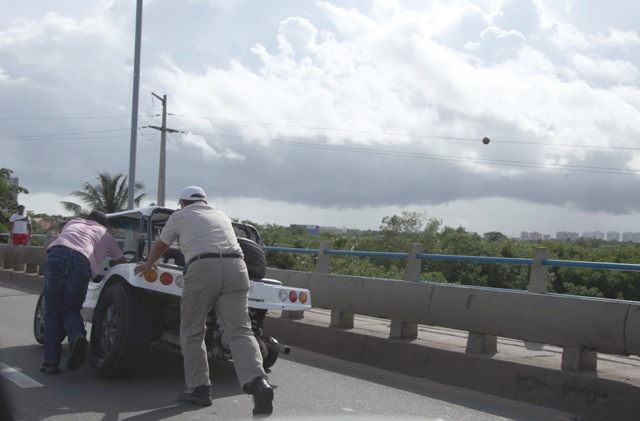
(317, 229)
(631, 236)
(613, 236)
(535, 235)
(333, 229)
(598, 235)
(567, 236)
(311, 229)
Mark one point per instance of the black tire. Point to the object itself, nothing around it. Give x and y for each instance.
(38, 320)
(120, 331)
(254, 258)
(270, 359)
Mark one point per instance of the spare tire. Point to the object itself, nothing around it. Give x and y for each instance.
(254, 258)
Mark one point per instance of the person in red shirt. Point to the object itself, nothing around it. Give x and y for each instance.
(20, 228)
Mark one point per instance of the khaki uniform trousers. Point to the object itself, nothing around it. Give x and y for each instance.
(223, 284)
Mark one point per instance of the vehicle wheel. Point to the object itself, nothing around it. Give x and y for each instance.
(38, 320)
(254, 258)
(120, 331)
(272, 355)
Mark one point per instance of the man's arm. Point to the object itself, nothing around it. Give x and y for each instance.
(157, 250)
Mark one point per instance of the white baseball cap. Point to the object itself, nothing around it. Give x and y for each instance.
(192, 193)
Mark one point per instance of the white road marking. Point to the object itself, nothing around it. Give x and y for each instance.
(17, 377)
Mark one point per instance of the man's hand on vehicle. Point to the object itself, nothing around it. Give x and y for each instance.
(142, 267)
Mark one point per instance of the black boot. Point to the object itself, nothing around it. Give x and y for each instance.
(262, 396)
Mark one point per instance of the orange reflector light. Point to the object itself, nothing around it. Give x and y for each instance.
(303, 297)
(166, 278)
(150, 276)
(293, 296)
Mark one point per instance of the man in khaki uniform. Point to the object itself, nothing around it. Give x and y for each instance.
(216, 277)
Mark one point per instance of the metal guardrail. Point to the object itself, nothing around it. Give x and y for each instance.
(462, 258)
(443, 257)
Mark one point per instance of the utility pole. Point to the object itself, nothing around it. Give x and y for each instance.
(134, 106)
(163, 149)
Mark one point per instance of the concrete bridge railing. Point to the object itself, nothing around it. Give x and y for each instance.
(581, 326)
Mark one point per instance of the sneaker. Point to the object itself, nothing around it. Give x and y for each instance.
(49, 368)
(78, 351)
(262, 397)
(201, 395)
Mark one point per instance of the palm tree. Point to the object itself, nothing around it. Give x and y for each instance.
(109, 195)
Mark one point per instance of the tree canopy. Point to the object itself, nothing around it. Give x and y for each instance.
(398, 233)
(109, 195)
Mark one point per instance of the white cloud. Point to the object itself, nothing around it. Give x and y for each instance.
(340, 112)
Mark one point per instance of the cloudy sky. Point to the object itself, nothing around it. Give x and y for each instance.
(336, 113)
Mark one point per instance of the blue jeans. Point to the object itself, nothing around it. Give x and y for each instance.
(66, 279)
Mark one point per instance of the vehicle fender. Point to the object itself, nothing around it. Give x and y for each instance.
(124, 273)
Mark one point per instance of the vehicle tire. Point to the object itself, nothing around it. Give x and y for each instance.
(38, 320)
(272, 355)
(254, 258)
(120, 331)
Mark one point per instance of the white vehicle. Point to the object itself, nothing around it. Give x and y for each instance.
(129, 312)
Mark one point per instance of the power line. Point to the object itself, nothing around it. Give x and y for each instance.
(44, 136)
(410, 135)
(60, 118)
(418, 155)
(525, 164)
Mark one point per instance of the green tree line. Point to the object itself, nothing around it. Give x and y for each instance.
(398, 232)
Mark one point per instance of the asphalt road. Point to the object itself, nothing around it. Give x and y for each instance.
(310, 386)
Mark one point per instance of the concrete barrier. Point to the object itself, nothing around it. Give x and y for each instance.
(582, 326)
(23, 258)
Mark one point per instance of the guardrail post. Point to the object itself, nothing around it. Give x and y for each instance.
(399, 328)
(47, 238)
(539, 274)
(323, 265)
(339, 318)
(479, 343)
(413, 271)
(579, 359)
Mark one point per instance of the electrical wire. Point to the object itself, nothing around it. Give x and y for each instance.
(342, 148)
